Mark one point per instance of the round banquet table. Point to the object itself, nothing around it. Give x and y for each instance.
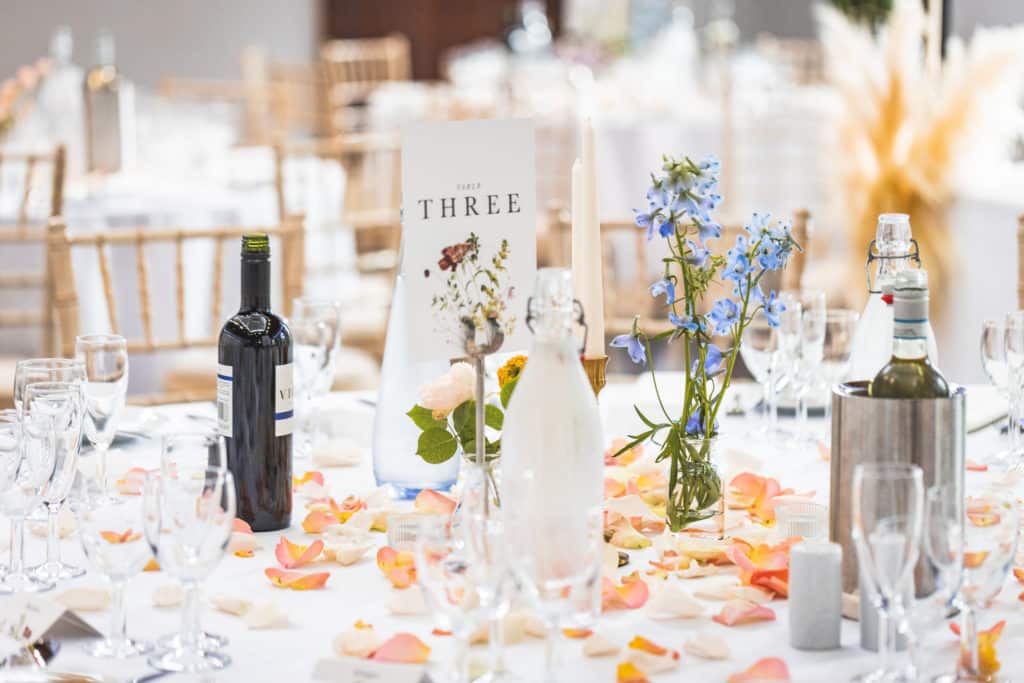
(360, 591)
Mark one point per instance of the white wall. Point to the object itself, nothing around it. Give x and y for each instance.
(155, 38)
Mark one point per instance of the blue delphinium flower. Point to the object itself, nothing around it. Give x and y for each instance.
(666, 228)
(758, 225)
(657, 198)
(632, 344)
(683, 321)
(773, 307)
(707, 230)
(698, 255)
(644, 220)
(782, 231)
(769, 256)
(724, 314)
(666, 287)
(737, 266)
(695, 424)
(712, 362)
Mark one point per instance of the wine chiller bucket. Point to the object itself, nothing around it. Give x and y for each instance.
(926, 432)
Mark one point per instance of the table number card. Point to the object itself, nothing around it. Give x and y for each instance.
(460, 179)
(26, 619)
(366, 671)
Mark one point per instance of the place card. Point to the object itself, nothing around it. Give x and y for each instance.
(26, 619)
(367, 671)
(461, 178)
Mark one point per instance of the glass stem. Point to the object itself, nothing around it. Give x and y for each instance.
(190, 619)
(801, 428)
(118, 617)
(967, 667)
(101, 474)
(53, 533)
(496, 643)
(773, 404)
(886, 635)
(460, 656)
(551, 652)
(17, 559)
(1013, 428)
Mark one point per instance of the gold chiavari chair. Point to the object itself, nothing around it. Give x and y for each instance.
(352, 68)
(369, 211)
(22, 237)
(183, 383)
(1020, 261)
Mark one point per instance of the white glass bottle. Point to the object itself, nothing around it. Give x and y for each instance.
(872, 342)
(552, 464)
(109, 112)
(60, 99)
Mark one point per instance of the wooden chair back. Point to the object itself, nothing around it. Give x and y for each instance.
(352, 68)
(1020, 261)
(65, 295)
(24, 232)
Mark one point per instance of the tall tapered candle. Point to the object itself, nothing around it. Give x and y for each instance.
(591, 292)
(577, 228)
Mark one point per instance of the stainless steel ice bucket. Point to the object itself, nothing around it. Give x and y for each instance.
(928, 432)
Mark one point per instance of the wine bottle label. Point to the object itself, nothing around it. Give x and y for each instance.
(225, 387)
(284, 413)
(910, 320)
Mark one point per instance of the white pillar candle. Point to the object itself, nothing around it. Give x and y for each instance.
(591, 294)
(578, 263)
(815, 595)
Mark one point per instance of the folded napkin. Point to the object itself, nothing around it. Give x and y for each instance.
(985, 405)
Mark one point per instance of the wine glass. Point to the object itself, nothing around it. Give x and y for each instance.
(1013, 352)
(790, 322)
(316, 329)
(840, 325)
(32, 469)
(807, 368)
(993, 353)
(759, 347)
(990, 543)
(113, 539)
(188, 522)
(190, 454)
(52, 420)
(105, 357)
(443, 571)
(888, 502)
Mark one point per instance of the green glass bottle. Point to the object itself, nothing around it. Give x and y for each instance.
(909, 374)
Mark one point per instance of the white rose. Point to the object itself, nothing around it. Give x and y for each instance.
(449, 391)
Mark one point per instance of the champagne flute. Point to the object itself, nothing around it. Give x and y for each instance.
(807, 369)
(990, 544)
(759, 347)
(105, 357)
(316, 329)
(190, 454)
(113, 539)
(188, 526)
(1013, 357)
(888, 502)
(443, 571)
(840, 326)
(52, 420)
(33, 467)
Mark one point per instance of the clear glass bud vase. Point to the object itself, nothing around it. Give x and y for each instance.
(695, 493)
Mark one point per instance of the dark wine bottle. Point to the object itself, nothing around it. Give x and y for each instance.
(254, 396)
(909, 374)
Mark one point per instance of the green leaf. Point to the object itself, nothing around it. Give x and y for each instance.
(424, 418)
(464, 421)
(436, 446)
(506, 392)
(493, 417)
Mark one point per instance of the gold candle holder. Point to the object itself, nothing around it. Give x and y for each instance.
(595, 367)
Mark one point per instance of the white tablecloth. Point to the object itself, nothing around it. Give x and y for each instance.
(361, 592)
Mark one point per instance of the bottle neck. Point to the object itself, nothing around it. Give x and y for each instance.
(255, 284)
(910, 329)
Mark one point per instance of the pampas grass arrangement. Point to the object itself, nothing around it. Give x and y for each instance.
(902, 134)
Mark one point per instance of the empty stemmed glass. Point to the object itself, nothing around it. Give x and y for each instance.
(840, 324)
(759, 347)
(114, 541)
(188, 522)
(990, 543)
(1013, 347)
(888, 502)
(105, 357)
(316, 330)
(807, 367)
(443, 561)
(52, 420)
(33, 467)
(994, 362)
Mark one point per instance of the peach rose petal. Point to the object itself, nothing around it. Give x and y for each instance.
(763, 670)
(632, 593)
(628, 673)
(116, 537)
(312, 476)
(577, 632)
(296, 580)
(440, 632)
(403, 647)
(359, 641)
(1018, 573)
(132, 481)
(318, 520)
(433, 503)
(738, 612)
(240, 526)
(152, 565)
(242, 544)
(292, 555)
(398, 566)
(974, 466)
(988, 665)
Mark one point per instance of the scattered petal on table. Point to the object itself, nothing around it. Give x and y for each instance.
(577, 632)
(230, 605)
(534, 626)
(265, 616)
(440, 632)
(339, 452)
(359, 641)
(737, 612)
(296, 580)
(241, 526)
(982, 514)
(242, 544)
(433, 503)
(628, 673)
(672, 601)
(66, 524)
(398, 566)
(720, 589)
(598, 645)
(126, 536)
(702, 548)
(169, 595)
(408, 602)
(632, 593)
(318, 520)
(974, 466)
(1018, 573)
(762, 671)
(311, 476)
(404, 647)
(764, 566)
(650, 657)
(824, 451)
(753, 594)
(132, 482)
(292, 555)
(623, 535)
(757, 495)
(152, 565)
(630, 456)
(707, 646)
(988, 664)
(85, 599)
(613, 488)
(347, 551)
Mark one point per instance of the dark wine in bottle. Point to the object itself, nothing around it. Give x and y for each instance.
(909, 374)
(254, 396)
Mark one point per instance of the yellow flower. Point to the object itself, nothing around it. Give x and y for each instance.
(511, 370)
